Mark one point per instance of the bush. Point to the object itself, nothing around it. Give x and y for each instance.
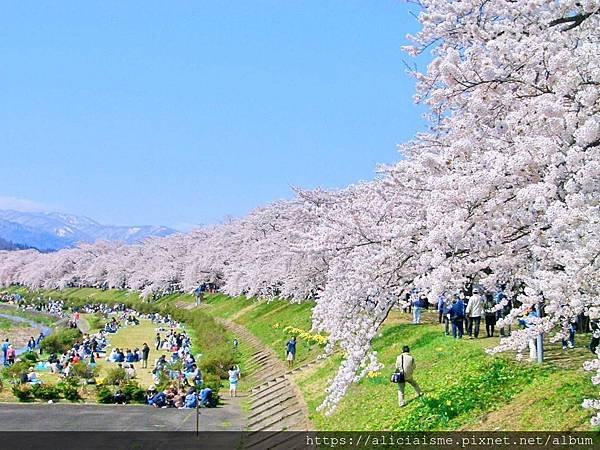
(104, 394)
(95, 321)
(83, 370)
(134, 393)
(69, 389)
(115, 376)
(213, 382)
(60, 341)
(217, 361)
(17, 369)
(22, 392)
(45, 391)
(31, 357)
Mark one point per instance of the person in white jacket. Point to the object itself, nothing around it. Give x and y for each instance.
(474, 311)
(406, 363)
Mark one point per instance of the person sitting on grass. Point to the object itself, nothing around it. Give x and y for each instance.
(129, 371)
(32, 377)
(120, 356)
(53, 362)
(129, 356)
(112, 356)
(206, 397)
(119, 397)
(191, 398)
(179, 399)
(194, 373)
(159, 400)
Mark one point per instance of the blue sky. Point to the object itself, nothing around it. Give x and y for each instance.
(181, 113)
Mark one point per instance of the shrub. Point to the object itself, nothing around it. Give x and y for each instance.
(60, 341)
(95, 321)
(17, 369)
(213, 382)
(115, 376)
(83, 370)
(104, 394)
(134, 393)
(31, 357)
(69, 388)
(45, 391)
(217, 361)
(22, 392)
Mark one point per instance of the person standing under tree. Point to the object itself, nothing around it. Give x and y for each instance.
(457, 314)
(490, 315)
(474, 310)
(290, 348)
(406, 363)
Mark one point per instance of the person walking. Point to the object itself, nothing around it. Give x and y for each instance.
(406, 363)
(474, 310)
(145, 354)
(457, 314)
(290, 348)
(418, 305)
(158, 341)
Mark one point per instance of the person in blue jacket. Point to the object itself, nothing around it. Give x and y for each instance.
(457, 315)
(191, 399)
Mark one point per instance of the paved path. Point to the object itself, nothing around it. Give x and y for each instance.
(74, 417)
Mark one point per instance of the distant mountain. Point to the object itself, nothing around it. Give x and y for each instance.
(53, 231)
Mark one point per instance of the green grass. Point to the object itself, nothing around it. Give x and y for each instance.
(6, 324)
(38, 317)
(267, 321)
(130, 337)
(465, 387)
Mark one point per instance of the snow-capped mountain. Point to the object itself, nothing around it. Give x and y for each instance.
(53, 231)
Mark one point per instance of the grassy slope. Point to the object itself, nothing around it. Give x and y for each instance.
(466, 389)
(456, 375)
(267, 321)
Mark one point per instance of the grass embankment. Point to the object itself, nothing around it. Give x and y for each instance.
(274, 322)
(465, 388)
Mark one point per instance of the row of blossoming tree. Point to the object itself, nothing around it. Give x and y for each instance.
(503, 189)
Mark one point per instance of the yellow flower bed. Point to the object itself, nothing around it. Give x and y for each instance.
(305, 335)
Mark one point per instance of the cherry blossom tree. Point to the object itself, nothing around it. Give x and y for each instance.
(502, 190)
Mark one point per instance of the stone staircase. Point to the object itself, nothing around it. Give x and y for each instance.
(276, 403)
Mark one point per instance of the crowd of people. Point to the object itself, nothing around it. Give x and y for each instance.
(462, 314)
(176, 367)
